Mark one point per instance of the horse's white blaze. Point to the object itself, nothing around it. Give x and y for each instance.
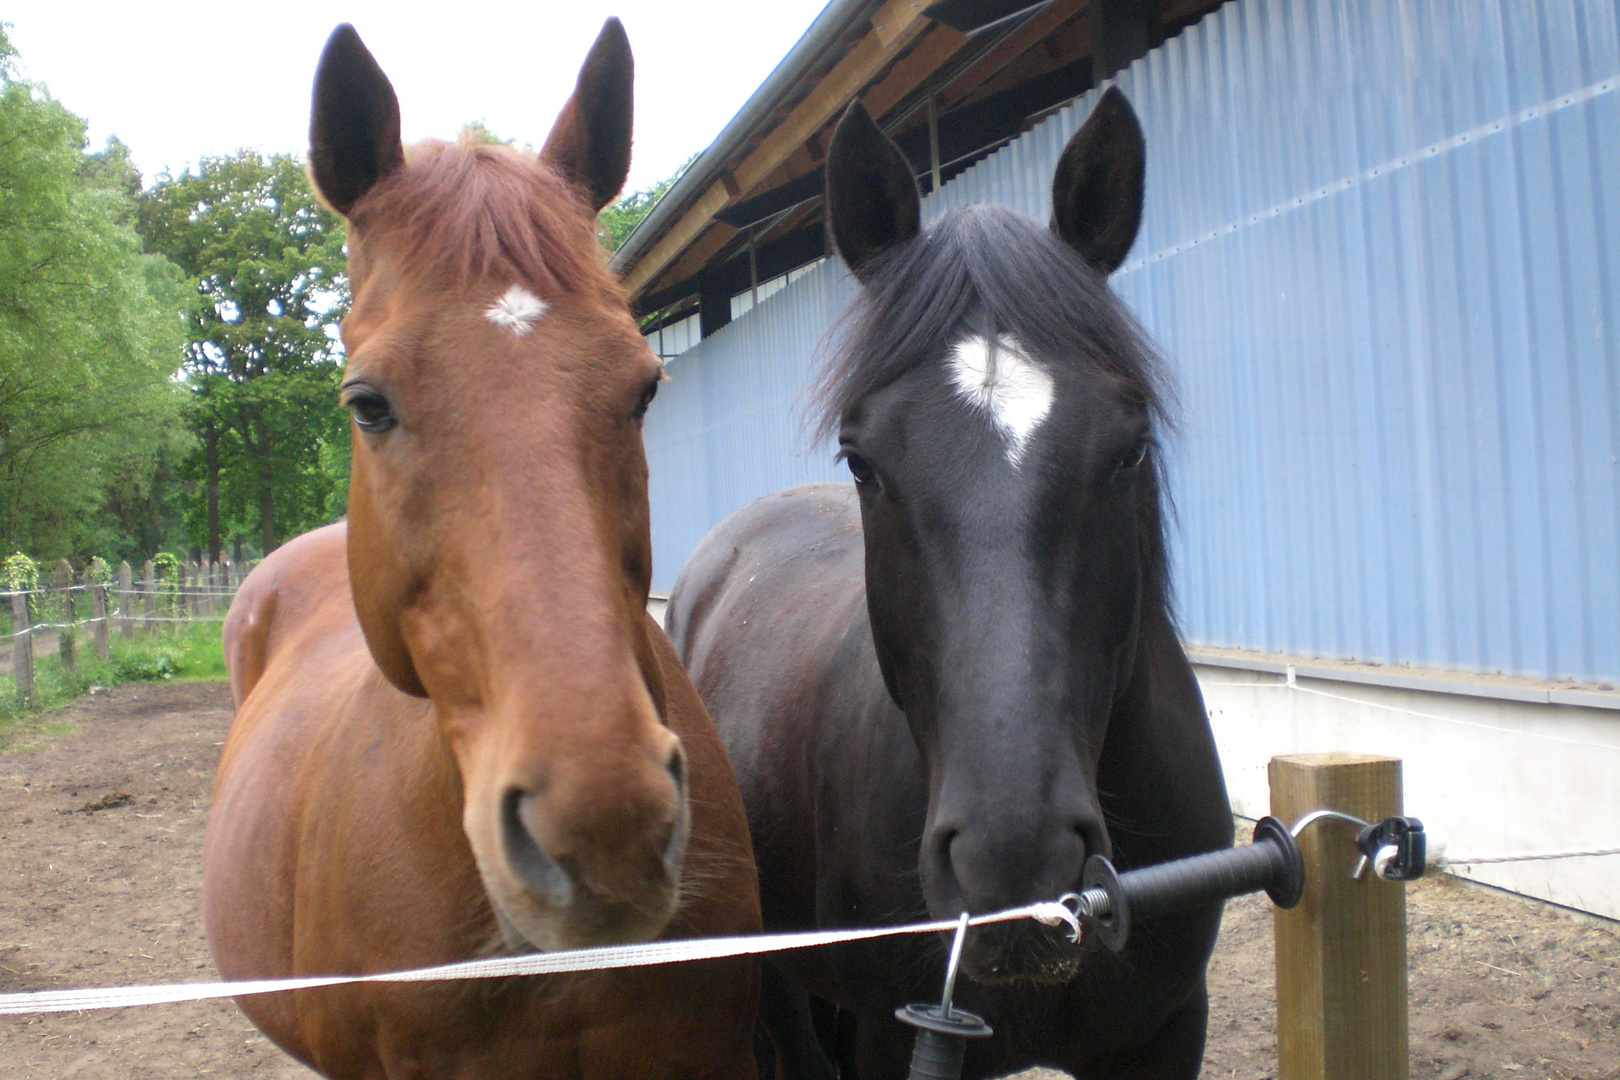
(1000, 379)
(517, 310)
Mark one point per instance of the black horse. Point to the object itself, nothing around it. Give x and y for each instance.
(946, 685)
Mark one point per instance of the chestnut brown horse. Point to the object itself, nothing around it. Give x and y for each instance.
(458, 733)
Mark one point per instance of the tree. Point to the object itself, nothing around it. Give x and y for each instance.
(88, 334)
(262, 356)
(620, 217)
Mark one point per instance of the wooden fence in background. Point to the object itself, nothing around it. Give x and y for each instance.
(73, 606)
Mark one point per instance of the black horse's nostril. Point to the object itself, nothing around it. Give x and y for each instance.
(1094, 840)
(537, 870)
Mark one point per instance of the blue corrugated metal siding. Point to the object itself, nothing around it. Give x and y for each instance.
(1381, 249)
(726, 427)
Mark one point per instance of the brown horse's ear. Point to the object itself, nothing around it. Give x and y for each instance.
(354, 125)
(1097, 190)
(590, 142)
(872, 201)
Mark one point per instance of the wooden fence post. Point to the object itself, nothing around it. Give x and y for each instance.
(1341, 954)
(149, 584)
(62, 580)
(22, 641)
(126, 600)
(98, 612)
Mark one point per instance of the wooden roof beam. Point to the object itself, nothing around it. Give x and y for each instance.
(894, 27)
(1026, 37)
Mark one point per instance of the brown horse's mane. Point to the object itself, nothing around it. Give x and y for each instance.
(475, 212)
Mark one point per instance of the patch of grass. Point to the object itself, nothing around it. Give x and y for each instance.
(188, 652)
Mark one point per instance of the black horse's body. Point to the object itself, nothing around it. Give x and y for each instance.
(944, 686)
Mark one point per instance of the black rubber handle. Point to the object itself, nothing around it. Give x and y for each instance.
(1219, 875)
(937, 1057)
(1272, 863)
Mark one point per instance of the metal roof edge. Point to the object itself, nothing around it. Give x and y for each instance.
(827, 28)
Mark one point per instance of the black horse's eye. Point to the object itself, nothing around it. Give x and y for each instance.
(645, 400)
(860, 470)
(372, 412)
(1134, 456)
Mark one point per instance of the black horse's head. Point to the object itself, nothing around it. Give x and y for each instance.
(996, 404)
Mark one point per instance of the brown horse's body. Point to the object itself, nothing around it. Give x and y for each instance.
(337, 842)
(458, 733)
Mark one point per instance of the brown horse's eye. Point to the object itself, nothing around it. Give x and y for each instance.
(646, 399)
(372, 412)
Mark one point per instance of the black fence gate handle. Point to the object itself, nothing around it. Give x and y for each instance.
(1111, 901)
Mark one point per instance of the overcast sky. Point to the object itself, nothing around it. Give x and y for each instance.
(177, 82)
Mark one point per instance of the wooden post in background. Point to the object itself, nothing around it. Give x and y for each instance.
(98, 613)
(67, 634)
(22, 651)
(149, 584)
(1341, 954)
(126, 599)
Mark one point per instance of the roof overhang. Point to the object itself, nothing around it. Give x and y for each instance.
(949, 79)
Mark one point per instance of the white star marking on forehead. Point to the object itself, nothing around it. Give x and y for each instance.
(1000, 379)
(517, 310)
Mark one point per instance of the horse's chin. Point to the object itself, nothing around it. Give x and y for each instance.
(1004, 953)
(527, 926)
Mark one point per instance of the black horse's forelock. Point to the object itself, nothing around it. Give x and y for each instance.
(989, 270)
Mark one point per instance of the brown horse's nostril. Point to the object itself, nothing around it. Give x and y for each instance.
(538, 872)
(675, 846)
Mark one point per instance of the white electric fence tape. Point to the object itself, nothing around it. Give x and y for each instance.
(616, 956)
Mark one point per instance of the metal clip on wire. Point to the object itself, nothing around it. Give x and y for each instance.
(942, 1030)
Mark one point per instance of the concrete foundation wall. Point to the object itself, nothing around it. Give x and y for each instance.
(1486, 775)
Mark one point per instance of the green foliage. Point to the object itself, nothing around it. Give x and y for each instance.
(19, 573)
(100, 571)
(620, 217)
(266, 266)
(88, 335)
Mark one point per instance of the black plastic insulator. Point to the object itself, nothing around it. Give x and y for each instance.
(1406, 836)
(942, 1039)
(1272, 863)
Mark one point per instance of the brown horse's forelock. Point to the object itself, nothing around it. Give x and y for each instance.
(478, 212)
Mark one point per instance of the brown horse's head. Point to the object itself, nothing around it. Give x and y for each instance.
(498, 537)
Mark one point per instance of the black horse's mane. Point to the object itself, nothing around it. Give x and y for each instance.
(994, 271)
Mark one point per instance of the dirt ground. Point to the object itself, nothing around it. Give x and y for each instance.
(101, 820)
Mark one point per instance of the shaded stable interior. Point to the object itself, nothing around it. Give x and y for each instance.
(950, 82)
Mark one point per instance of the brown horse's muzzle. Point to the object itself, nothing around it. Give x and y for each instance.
(584, 856)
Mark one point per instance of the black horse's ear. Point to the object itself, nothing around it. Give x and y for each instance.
(872, 201)
(590, 142)
(1097, 191)
(354, 124)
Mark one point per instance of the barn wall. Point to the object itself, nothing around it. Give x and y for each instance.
(726, 427)
(1381, 249)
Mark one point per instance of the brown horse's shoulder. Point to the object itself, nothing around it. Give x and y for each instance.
(720, 886)
(291, 589)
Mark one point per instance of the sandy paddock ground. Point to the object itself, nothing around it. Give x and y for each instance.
(101, 820)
